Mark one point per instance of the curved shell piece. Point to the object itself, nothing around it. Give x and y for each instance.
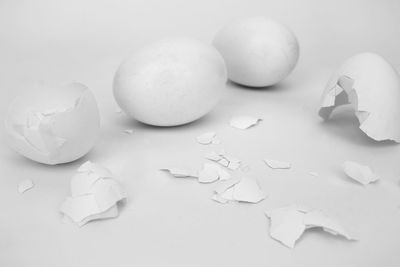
(372, 86)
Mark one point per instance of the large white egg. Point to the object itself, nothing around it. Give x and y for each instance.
(170, 82)
(53, 124)
(258, 51)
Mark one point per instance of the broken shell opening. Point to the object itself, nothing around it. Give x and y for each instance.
(53, 124)
(343, 94)
(371, 87)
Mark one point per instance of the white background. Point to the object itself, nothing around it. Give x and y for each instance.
(173, 222)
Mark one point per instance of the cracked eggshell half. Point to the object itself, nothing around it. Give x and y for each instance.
(170, 82)
(371, 86)
(258, 51)
(53, 124)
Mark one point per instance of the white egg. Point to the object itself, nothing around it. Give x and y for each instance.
(258, 51)
(170, 82)
(371, 85)
(53, 124)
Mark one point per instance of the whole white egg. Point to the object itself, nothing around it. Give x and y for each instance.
(53, 124)
(170, 82)
(258, 51)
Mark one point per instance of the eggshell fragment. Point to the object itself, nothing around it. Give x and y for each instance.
(170, 82)
(258, 51)
(95, 195)
(360, 173)
(53, 124)
(289, 223)
(372, 86)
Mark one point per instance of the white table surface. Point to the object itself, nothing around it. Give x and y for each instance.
(173, 222)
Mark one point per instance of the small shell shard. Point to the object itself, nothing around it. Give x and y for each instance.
(241, 190)
(360, 173)
(243, 122)
(25, 185)
(276, 164)
(208, 138)
(179, 173)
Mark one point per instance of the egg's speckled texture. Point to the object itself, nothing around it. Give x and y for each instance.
(258, 51)
(53, 124)
(170, 82)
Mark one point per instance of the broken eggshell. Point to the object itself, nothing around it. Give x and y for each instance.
(258, 51)
(289, 223)
(372, 87)
(170, 82)
(95, 195)
(53, 124)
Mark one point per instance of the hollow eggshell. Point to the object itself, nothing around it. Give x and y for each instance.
(170, 82)
(258, 51)
(371, 85)
(53, 124)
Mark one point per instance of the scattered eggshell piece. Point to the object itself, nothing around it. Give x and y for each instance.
(219, 199)
(80, 207)
(95, 169)
(276, 164)
(25, 185)
(241, 190)
(94, 195)
(81, 183)
(216, 141)
(243, 122)
(207, 138)
(228, 194)
(213, 156)
(225, 160)
(180, 173)
(225, 184)
(128, 131)
(316, 218)
(248, 190)
(360, 173)
(289, 223)
(209, 173)
(223, 174)
(108, 214)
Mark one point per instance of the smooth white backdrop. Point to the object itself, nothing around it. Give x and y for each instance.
(173, 222)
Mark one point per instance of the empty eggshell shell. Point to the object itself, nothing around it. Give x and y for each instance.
(170, 82)
(372, 86)
(53, 124)
(258, 51)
